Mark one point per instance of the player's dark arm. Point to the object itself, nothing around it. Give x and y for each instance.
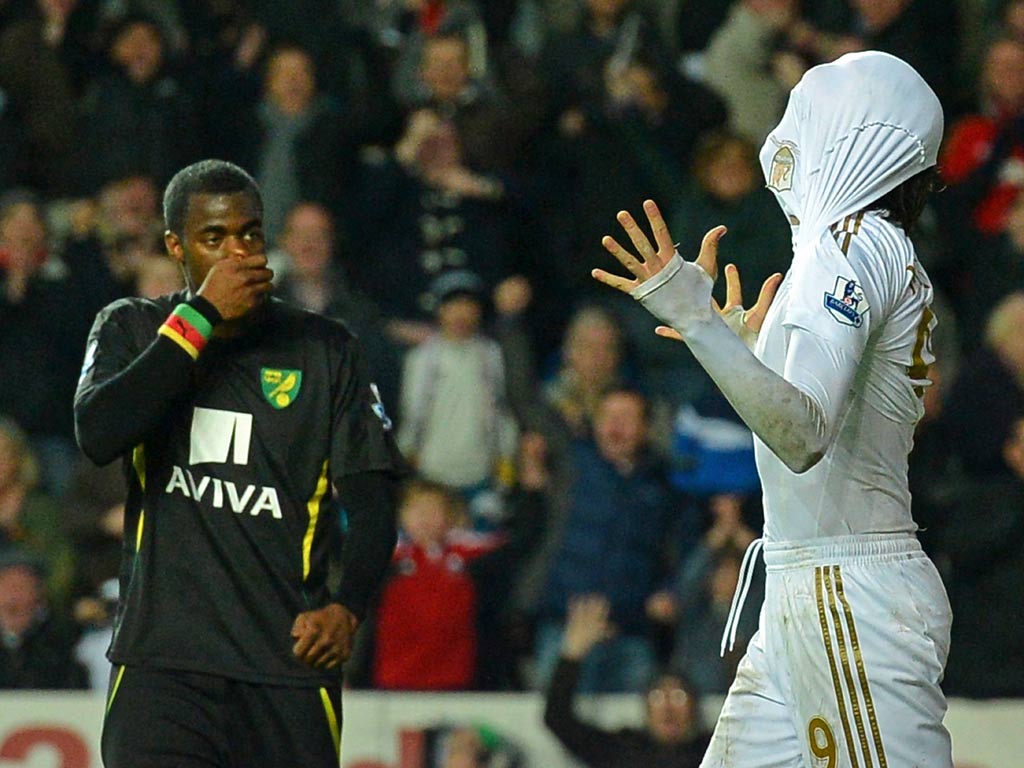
(123, 394)
(370, 500)
(592, 745)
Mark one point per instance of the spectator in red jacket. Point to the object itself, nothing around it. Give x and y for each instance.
(426, 635)
(983, 161)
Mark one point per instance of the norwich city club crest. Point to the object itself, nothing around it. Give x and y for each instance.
(280, 386)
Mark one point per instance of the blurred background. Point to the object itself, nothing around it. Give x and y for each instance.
(438, 174)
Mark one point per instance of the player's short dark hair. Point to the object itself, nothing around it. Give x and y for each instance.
(904, 205)
(207, 177)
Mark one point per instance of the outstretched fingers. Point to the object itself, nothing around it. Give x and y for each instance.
(669, 333)
(661, 235)
(754, 318)
(708, 258)
(614, 281)
(624, 257)
(733, 288)
(637, 237)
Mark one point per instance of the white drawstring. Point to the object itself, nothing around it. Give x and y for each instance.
(746, 576)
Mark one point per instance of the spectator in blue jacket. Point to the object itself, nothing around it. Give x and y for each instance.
(624, 524)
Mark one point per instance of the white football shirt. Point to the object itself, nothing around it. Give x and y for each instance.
(851, 326)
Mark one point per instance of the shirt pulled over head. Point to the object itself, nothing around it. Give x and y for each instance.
(853, 130)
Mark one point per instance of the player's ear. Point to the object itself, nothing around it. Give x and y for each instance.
(173, 245)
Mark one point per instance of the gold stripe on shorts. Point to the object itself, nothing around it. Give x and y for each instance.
(826, 636)
(861, 672)
(844, 656)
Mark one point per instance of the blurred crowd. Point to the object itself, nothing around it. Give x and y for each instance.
(438, 174)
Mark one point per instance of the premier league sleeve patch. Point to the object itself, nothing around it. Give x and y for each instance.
(846, 303)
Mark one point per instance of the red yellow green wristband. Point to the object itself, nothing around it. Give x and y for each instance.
(188, 329)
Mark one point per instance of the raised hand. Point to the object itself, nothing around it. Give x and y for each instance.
(745, 323)
(586, 625)
(237, 285)
(650, 261)
(676, 291)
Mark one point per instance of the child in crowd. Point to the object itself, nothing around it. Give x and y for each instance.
(456, 426)
(426, 636)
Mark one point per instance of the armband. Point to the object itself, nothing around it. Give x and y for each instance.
(187, 328)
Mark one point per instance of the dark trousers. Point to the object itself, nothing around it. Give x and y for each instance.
(165, 718)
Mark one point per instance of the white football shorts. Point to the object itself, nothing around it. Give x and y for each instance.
(844, 669)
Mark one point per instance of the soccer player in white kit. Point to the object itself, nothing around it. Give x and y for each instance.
(844, 670)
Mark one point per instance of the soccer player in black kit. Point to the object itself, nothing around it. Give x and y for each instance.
(235, 415)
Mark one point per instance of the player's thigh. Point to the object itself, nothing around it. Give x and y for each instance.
(755, 727)
(882, 638)
(162, 719)
(284, 727)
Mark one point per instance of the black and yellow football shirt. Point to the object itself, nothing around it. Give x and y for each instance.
(229, 504)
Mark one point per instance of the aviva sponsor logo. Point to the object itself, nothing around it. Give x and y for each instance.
(222, 437)
(218, 436)
(240, 499)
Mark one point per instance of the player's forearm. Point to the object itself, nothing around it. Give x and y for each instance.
(785, 417)
(369, 499)
(115, 413)
(113, 417)
(794, 425)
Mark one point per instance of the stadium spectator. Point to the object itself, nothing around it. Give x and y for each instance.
(622, 526)
(426, 621)
(140, 118)
(310, 274)
(415, 24)
(702, 596)
(627, 124)
(590, 367)
(727, 188)
(990, 386)
(41, 55)
(987, 657)
(430, 633)
(672, 737)
(490, 131)
(924, 34)
(95, 618)
(424, 212)
(92, 515)
(112, 235)
(456, 426)
(291, 138)
(988, 272)
(36, 651)
(42, 331)
(740, 64)
(156, 276)
(983, 159)
(30, 519)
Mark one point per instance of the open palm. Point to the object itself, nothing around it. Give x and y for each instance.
(650, 261)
